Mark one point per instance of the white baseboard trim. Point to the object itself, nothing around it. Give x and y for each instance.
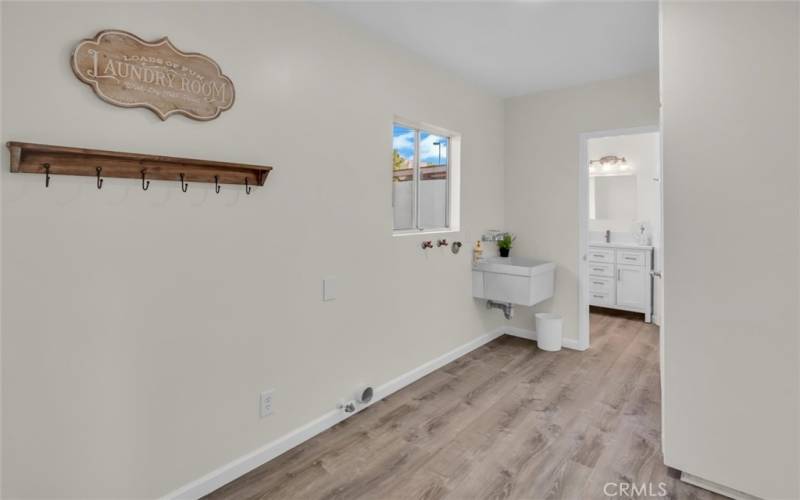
(715, 487)
(524, 333)
(572, 344)
(419, 372)
(244, 464)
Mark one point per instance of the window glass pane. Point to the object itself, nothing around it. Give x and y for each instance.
(433, 171)
(403, 147)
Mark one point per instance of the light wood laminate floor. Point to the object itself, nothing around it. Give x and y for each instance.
(505, 421)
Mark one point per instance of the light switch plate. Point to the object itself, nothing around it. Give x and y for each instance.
(329, 288)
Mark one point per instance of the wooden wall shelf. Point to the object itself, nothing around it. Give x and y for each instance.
(32, 158)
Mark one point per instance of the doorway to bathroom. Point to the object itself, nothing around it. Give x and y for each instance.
(620, 228)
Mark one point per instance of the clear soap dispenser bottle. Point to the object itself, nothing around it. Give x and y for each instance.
(477, 252)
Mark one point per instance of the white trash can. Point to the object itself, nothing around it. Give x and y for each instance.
(548, 331)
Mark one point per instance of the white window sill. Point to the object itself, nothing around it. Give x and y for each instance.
(417, 232)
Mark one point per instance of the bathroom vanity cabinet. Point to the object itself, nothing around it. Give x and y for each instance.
(619, 277)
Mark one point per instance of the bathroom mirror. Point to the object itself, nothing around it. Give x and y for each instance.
(613, 197)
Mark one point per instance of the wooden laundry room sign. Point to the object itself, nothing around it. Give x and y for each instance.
(127, 71)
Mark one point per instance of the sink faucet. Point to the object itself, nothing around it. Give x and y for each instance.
(608, 236)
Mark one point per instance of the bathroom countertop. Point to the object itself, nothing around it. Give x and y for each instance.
(620, 245)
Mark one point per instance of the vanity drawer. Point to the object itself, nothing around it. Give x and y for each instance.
(601, 254)
(603, 285)
(630, 257)
(601, 298)
(600, 269)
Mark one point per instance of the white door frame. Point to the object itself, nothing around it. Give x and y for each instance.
(583, 222)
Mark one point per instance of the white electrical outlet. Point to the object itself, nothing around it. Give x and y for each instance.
(265, 407)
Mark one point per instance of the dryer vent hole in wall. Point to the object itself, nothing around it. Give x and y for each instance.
(363, 396)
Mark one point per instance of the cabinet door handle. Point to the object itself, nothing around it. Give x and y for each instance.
(598, 282)
(630, 258)
(619, 274)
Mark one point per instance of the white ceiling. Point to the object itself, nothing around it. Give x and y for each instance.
(514, 48)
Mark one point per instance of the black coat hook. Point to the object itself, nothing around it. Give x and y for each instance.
(216, 182)
(144, 186)
(247, 188)
(99, 180)
(46, 167)
(184, 186)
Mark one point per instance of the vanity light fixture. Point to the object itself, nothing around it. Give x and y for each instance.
(609, 160)
(609, 165)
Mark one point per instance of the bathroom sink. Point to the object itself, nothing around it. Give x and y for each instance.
(522, 266)
(615, 244)
(514, 280)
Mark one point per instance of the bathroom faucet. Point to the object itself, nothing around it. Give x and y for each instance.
(608, 236)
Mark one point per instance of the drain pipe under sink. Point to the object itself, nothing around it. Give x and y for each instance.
(507, 307)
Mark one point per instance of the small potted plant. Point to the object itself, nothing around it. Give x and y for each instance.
(505, 244)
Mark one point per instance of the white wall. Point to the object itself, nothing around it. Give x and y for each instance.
(730, 130)
(541, 179)
(140, 327)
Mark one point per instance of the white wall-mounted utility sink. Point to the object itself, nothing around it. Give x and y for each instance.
(514, 280)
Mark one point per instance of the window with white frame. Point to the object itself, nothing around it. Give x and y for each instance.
(422, 194)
